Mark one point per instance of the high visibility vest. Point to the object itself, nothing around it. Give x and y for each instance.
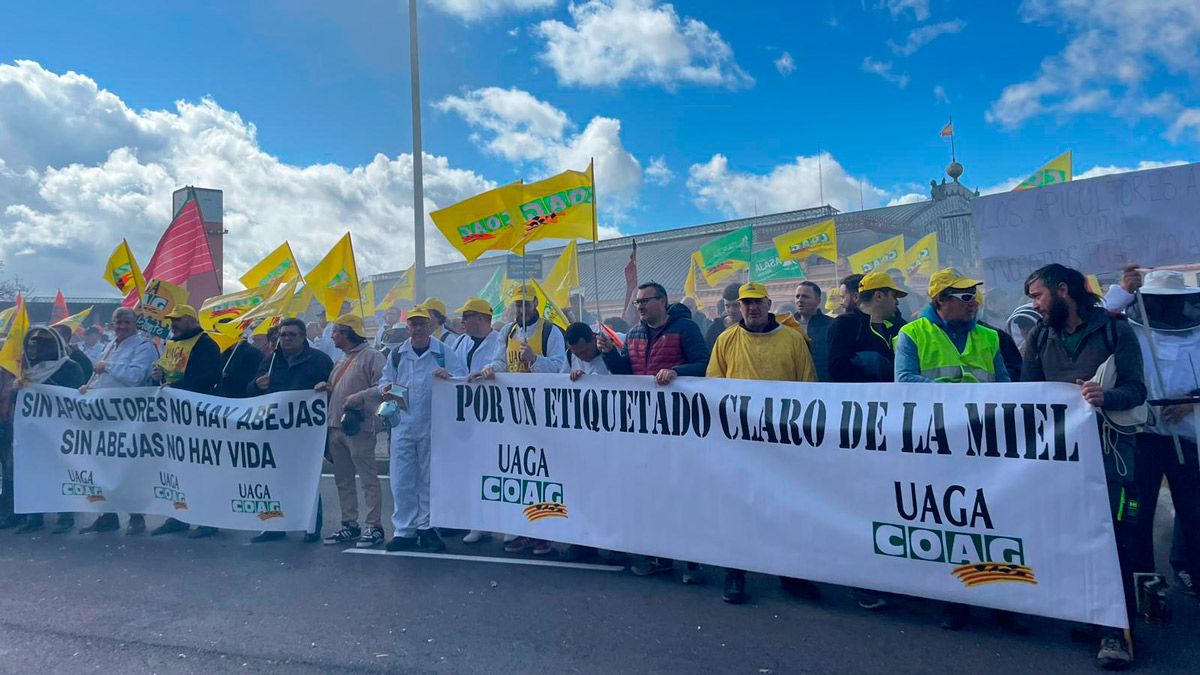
(516, 345)
(941, 360)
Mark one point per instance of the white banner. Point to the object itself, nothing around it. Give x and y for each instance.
(245, 464)
(991, 495)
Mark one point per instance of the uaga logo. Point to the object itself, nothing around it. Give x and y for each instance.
(977, 558)
(168, 490)
(542, 498)
(256, 498)
(82, 484)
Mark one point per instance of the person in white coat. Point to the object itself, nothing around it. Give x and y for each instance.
(408, 379)
(1172, 371)
(475, 347)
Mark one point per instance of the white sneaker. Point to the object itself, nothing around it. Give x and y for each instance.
(476, 536)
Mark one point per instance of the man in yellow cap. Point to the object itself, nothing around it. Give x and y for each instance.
(191, 361)
(437, 312)
(408, 380)
(353, 396)
(760, 348)
(860, 341)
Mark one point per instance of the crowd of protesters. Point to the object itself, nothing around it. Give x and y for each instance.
(1139, 342)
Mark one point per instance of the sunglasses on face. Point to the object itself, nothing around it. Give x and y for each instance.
(965, 296)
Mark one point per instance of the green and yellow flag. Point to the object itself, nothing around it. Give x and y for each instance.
(819, 240)
(1057, 170)
(493, 291)
(401, 290)
(883, 256)
(218, 311)
(335, 279)
(279, 266)
(724, 256)
(482, 223)
(549, 310)
(559, 207)
(922, 258)
(765, 265)
(75, 321)
(689, 284)
(564, 276)
(122, 271)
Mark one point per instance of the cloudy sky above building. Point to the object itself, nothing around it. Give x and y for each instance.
(694, 111)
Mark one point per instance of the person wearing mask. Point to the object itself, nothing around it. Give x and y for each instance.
(848, 293)
(760, 348)
(65, 334)
(353, 397)
(93, 343)
(665, 344)
(292, 366)
(45, 360)
(860, 341)
(1169, 337)
(191, 361)
(437, 312)
(729, 317)
(475, 348)
(125, 362)
(816, 323)
(1074, 338)
(529, 344)
(408, 380)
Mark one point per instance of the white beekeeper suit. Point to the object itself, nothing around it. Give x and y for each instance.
(410, 443)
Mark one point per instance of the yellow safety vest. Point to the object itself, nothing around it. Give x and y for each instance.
(941, 360)
(517, 345)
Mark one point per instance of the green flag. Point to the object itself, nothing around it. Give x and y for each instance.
(765, 265)
(493, 291)
(725, 255)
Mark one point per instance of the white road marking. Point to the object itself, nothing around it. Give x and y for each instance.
(481, 558)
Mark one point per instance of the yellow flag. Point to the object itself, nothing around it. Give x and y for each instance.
(564, 276)
(481, 223)
(368, 299)
(401, 290)
(122, 271)
(334, 279)
(229, 308)
(279, 266)
(262, 315)
(883, 256)
(1057, 170)
(819, 240)
(719, 273)
(75, 321)
(689, 284)
(560, 207)
(549, 310)
(224, 341)
(14, 344)
(922, 258)
(6, 317)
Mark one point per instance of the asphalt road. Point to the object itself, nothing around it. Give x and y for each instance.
(116, 603)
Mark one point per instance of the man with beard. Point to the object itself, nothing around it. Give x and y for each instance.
(46, 360)
(1073, 340)
(816, 323)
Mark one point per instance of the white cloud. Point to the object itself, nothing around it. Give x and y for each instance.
(919, 8)
(939, 93)
(527, 131)
(884, 69)
(658, 172)
(613, 41)
(788, 186)
(472, 10)
(1117, 53)
(908, 198)
(919, 37)
(785, 64)
(1010, 183)
(82, 170)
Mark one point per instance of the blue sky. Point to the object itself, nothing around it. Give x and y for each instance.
(699, 119)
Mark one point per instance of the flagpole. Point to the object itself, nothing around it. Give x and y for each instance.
(418, 187)
(595, 243)
(820, 176)
(362, 313)
(952, 153)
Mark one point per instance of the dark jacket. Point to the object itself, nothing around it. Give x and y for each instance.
(239, 364)
(857, 353)
(303, 371)
(1009, 351)
(69, 375)
(203, 369)
(818, 333)
(678, 344)
(85, 364)
(714, 331)
(1047, 359)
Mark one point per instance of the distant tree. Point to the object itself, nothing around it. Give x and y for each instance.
(10, 286)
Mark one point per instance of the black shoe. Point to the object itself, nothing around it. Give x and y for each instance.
(349, 534)
(1010, 622)
(63, 526)
(735, 587)
(955, 616)
(202, 531)
(430, 541)
(268, 536)
(137, 524)
(401, 544)
(574, 552)
(802, 589)
(107, 522)
(31, 524)
(1114, 653)
(10, 521)
(169, 527)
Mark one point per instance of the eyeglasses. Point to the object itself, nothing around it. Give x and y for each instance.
(289, 334)
(641, 301)
(966, 296)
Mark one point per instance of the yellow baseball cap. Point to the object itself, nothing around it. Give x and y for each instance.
(352, 321)
(181, 311)
(477, 305)
(436, 305)
(752, 291)
(950, 278)
(879, 280)
(522, 292)
(419, 312)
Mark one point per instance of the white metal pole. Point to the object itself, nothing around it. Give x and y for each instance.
(418, 186)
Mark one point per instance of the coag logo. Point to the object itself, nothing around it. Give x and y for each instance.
(541, 497)
(168, 490)
(82, 484)
(255, 498)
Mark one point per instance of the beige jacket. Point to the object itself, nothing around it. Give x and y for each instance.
(358, 372)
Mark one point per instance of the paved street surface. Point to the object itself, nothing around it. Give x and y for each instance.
(114, 603)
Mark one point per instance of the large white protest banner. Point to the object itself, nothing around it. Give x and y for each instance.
(248, 464)
(990, 495)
